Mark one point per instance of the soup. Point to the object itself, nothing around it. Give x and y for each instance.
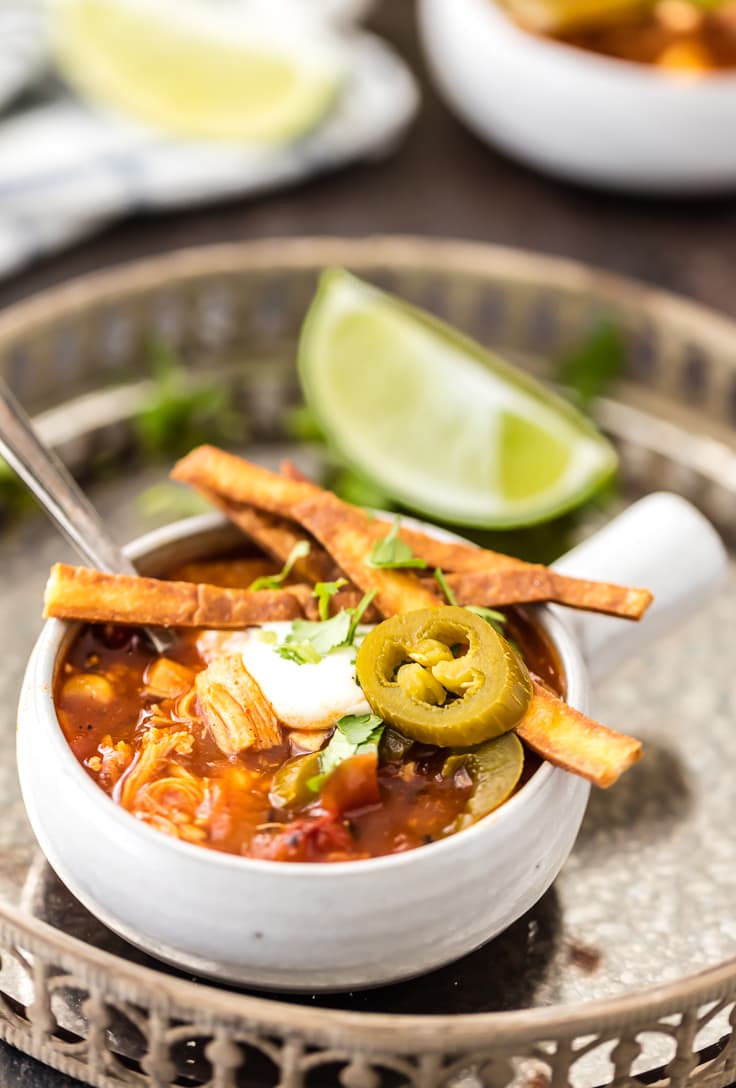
(135, 723)
(365, 699)
(674, 35)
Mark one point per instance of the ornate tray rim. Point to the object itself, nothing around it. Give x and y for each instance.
(403, 1032)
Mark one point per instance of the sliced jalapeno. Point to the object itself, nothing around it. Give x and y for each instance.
(479, 690)
(495, 769)
(290, 785)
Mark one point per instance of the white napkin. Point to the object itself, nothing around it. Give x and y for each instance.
(22, 46)
(66, 169)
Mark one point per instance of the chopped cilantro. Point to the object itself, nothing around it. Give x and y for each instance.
(274, 581)
(355, 734)
(490, 615)
(593, 366)
(311, 640)
(322, 636)
(358, 612)
(393, 553)
(496, 619)
(302, 653)
(359, 728)
(324, 592)
(183, 411)
(439, 575)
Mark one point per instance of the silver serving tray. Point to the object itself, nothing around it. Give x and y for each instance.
(599, 982)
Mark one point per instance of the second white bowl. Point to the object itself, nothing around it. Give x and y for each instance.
(593, 119)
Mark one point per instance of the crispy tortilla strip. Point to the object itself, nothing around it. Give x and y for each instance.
(230, 478)
(240, 481)
(290, 472)
(568, 739)
(258, 501)
(522, 585)
(349, 535)
(453, 555)
(277, 537)
(76, 593)
(237, 712)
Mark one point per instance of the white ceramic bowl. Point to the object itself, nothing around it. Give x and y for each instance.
(300, 926)
(579, 115)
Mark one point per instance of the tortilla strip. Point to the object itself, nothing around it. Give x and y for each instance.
(276, 536)
(240, 481)
(289, 471)
(522, 585)
(453, 555)
(568, 739)
(349, 535)
(231, 478)
(76, 593)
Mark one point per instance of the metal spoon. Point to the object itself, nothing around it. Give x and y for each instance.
(58, 493)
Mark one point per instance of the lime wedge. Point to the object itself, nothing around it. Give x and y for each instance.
(439, 423)
(201, 70)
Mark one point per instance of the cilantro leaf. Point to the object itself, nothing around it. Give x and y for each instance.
(324, 592)
(302, 653)
(496, 619)
(358, 612)
(591, 367)
(490, 615)
(355, 734)
(322, 635)
(273, 581)
(311, 640)
(359, 727)
(393, 553)
(439, 575)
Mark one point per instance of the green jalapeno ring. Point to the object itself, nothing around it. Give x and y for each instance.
(492, 707)
(495, 768)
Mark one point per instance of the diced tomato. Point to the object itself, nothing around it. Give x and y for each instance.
(352, 785)
(313, 838)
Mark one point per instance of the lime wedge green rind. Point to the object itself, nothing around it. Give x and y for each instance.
(444, 426)
(174, 67)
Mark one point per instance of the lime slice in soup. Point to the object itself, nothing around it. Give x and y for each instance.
(196, 69)
(438, 422)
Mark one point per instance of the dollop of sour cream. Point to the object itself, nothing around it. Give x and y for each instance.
(303, 696)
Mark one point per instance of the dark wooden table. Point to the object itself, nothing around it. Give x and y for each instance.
(442, 181)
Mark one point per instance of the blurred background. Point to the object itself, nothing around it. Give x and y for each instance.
(639, 169)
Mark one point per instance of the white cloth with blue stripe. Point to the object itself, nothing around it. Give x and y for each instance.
(66, 169)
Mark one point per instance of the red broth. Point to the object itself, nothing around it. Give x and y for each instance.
(155, 757)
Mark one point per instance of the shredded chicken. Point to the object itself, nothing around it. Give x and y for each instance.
(175, 804)
(111, 760)
(156, 748)
(235, 709)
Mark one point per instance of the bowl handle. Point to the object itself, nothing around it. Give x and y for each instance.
(661, 542)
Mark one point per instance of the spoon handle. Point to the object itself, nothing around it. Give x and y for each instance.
(58, 493)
